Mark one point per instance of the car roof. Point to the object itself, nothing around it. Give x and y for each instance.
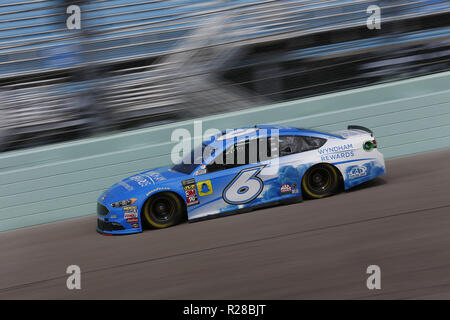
(239, 134)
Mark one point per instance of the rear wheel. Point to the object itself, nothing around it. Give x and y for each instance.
(320, 181)
(162, 210)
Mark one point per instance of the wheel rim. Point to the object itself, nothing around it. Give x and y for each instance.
(319, 180)
(162, 209)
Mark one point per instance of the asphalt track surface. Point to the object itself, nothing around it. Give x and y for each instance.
(314, 249)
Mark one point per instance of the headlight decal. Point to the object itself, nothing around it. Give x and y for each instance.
(123, 203)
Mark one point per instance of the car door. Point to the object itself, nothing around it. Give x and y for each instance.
(229, 182)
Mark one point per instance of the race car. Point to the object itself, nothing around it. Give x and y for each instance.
(241, 170)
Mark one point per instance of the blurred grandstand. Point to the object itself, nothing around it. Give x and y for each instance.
(141, 63)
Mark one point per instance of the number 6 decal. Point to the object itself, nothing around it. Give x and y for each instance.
(245, 187)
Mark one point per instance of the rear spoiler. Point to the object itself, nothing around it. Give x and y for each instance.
(351, 127)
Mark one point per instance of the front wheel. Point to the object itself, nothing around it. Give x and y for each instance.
(162, 210)
(320, 181)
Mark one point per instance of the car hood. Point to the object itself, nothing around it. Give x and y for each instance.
(141, 183)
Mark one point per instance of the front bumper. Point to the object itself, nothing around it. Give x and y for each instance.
(109, 226)
(112, 221)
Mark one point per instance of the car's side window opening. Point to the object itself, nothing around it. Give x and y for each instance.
(221, 163)
(297, 144)
(268, 148)
(314, 142)
(241, 153)
(256, 150)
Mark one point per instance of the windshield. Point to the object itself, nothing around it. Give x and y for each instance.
(194, 159)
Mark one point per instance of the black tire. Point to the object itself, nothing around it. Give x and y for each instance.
(162, 210)
(320, 181)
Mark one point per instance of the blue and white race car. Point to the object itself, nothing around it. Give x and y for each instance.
(241, 170)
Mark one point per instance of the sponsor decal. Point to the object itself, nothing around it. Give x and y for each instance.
(132, 209)
(154, 176)
(286, 189)
(189, 187)
(337, 156)
(135, 225)
(360, 173)
(357, 172)
(158, 189)
(130, 212)
(336, 149)
(190, 191)
(125, 185)
(337, 152)
(141, 180)
(204, 188)
(148, 178)
(133, 220)
(188, 182)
